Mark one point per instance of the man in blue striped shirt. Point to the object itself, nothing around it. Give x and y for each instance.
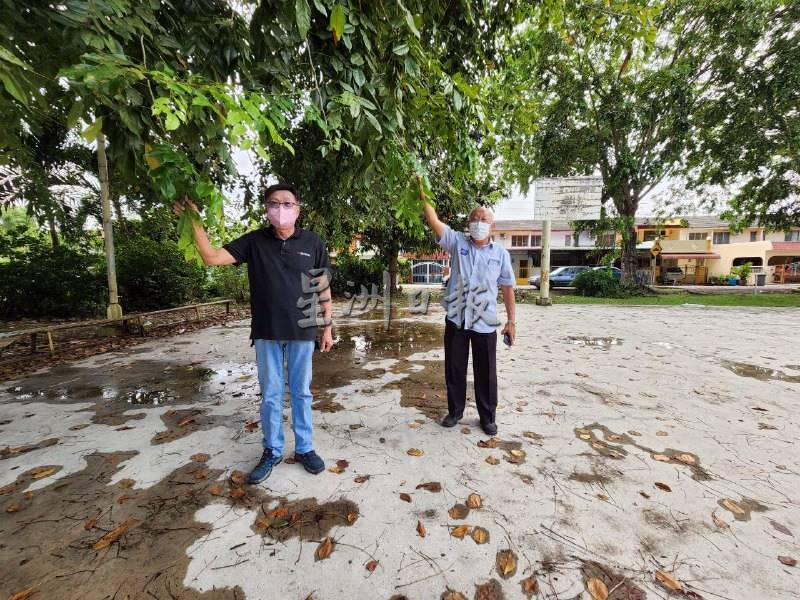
(477, 267)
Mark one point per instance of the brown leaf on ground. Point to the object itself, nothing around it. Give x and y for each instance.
(686, 459)
(336, 469)
(460, 531)
(492, 460)
(185, 421)
(490, 443)
(668, 581)
(125, 483)
(431, 486)
(405, 497)
(506, 562)
(342, 464)
(216, 490)
(351, 517)
(371, 565)
(237, 493)
(25, 594)
(480, 535)
(12, 508)
(421, 529)
(415, 452)
(90, 524)
(324, 549)
(361, 478)
(663, 486)
(290, 460)
(116, 533)
(733, 506)
(597, 589)
(201, 458)
(453, 595)
(718, 522)
(530, 586)
(474, 501)
(251, 426)
(42, 472)
(517, 453)
(466, 430)
(644, 494)
(534, 436)
(782, 528)
(661, 457)
(662, 433)
(634, 433)
(788, 561)
(280, 512)
(237, 478)
(79, 426)
(458, 512)
(9, 489)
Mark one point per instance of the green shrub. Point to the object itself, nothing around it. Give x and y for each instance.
(154, 274)
(599, 282)
(229, 282)
(360, 271)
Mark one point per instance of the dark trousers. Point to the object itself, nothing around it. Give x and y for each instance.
(484, 370)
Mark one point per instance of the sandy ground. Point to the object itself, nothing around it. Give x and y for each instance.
(634, 444)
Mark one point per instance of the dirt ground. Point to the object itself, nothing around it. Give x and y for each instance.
(642, 452)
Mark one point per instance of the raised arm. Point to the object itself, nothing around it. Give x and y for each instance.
(430, 215)
(211, 256)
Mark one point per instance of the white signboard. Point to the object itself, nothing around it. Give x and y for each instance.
(567, 198)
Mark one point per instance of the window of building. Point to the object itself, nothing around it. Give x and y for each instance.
(536, 240)
(607, 240)
(698, 236)
(753, 236)
(793, 236)
(519, 241)
(651, 234)
(722, 237)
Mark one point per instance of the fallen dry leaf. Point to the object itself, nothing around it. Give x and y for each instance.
(431, 486)
(668, 581)
(372, 565)
(12, 508)
(361, 478)
(125, 483)
(336, 469)
(603, 497)
(237, 478)
(661, 433)
(663, 486)
(644, 494)
(251, 426)
(534, 436)
(506, 562)
(661, 457)
(474, 501)
(733, 506)
(351, 517)
(237, 494)
(185, 421)
(200, 457)
(466, 430)
(280, 512)
(405, 497)
(216, 490)
(480, 535)
(782, 528)
(517, 453)
(718, 522)
(585, 436)
(42, 472)
(421, 529)
(460, 531)
(290, 460)
(25, 594)
(79, 426)
(458, 512)
(597, 589)
(492, 460)
(530, 586)
(415, 452)
(452, 595)
(686, 459)
(116, 533)
(634, 433)
(788, 561)
(414, 425)
(90, 524)
(324, 549)
(490, 443)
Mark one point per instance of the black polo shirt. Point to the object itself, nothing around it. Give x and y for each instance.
(275, 268)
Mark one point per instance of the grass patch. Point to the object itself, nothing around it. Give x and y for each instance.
(789, 300)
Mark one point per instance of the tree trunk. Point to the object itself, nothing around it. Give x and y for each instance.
(53, 232)
(393, 268)
(629, 252)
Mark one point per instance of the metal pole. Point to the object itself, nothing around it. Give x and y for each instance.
(114, 310)
(544, 278)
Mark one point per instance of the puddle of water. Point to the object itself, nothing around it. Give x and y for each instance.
(305, 519)
(759, 373)
(620, 587)
(593, 342)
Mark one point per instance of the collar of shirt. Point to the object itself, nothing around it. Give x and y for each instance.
(271, 231)
(472, 243)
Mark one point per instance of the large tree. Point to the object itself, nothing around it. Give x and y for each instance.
(614, 88)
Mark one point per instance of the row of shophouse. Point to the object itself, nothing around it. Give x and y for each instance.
(702, 247)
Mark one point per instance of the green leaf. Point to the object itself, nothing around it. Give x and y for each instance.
(303, 17)
(320, 7)
(337, 22)
(75, 113)
(400, 49)
(90, 133)
(172, 122)
(11, 58)
(12, 87)
(371, 118)
(411, 25)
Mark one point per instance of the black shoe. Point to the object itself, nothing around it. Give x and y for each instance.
(264, 467)
(311, 462)
(489, 428)
(449, 421)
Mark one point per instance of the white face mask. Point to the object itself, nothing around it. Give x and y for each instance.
(478, 230)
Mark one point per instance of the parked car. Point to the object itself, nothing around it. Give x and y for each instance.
(615, 271)
(673, 274)
(561, 276)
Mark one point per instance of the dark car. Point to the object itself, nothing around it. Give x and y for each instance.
(561, 276)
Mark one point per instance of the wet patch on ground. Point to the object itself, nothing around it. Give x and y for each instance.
(181, 423)
(742, 509)
(611, 446)
(424, 390)
(619, 586)
(9, 452)
(80, 537)
(304, 519)
(760, 373)
(593, 342)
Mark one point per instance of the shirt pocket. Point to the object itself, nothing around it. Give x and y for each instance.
(493, 269)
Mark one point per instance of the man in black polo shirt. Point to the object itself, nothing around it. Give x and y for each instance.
(288, 268)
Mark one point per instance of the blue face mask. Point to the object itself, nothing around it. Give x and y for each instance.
(478, 230)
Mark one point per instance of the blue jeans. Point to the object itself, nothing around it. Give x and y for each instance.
(270, 357)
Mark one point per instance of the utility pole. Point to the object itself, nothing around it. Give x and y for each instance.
(114, 310)
(544, 275)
